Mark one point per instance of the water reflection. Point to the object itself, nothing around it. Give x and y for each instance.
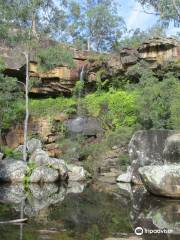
(75, 211)
(153, 213)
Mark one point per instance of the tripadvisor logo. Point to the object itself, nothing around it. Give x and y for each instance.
(139, 231)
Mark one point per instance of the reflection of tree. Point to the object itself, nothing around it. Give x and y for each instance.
(21, 217)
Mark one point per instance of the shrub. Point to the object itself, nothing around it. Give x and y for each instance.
(115, 108)
(11, 153)
(51, 106)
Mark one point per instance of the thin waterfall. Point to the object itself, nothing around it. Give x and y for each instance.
(80, 91)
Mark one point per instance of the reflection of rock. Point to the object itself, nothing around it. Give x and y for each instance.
(146, 148)
(162, 180)
(77, 173)
(75, 187)
(44, 174)
(12, 170)
(165, 215)
(43, 197)
(153, 213)
(125, 188)
(172, 148)
(13, 193)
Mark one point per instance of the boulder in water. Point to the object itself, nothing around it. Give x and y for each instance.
(125, 177)
(12, 170)
(44, 174)
(77, 173)
(146, 148)
(59, 165)
(162, 180)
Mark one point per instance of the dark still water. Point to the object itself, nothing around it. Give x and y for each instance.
(93, 212)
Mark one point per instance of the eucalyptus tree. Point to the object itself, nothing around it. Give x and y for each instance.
(24, 24)
(168, 10)
(97, 22)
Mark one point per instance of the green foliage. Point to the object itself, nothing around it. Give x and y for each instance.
(175, 107)
(100, 85)
(77, 90)
(119, 137)
(11, 153)
(168, 10)
(136, 37)
(30, 167)
(11, 103)
(115, 108)
(155, 100)
(51, 106)
(98, 58)
(124, 161)
(54, 56)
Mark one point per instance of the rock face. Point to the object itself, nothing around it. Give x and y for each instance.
(12, 170)
(62, 79)
(172, 149)
(43, 127)
(146, 148)
(159, 49)
(162, 180)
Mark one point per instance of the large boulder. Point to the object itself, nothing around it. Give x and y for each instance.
(39, 157)
(146, 148)
(59, 165)
(44, 174)
(87, 126)
(172, 148)
(125, 177)
(33, 145)
(12, 170)
(77, 173)
(162, 180)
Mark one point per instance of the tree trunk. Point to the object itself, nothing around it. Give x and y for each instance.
(27, 107)
(34, 32)
(89, 43)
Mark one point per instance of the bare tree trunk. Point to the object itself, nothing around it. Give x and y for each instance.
(89, 44)
(27, 107)
(34, 32)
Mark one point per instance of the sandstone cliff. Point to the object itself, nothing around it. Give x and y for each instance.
(155, 51)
